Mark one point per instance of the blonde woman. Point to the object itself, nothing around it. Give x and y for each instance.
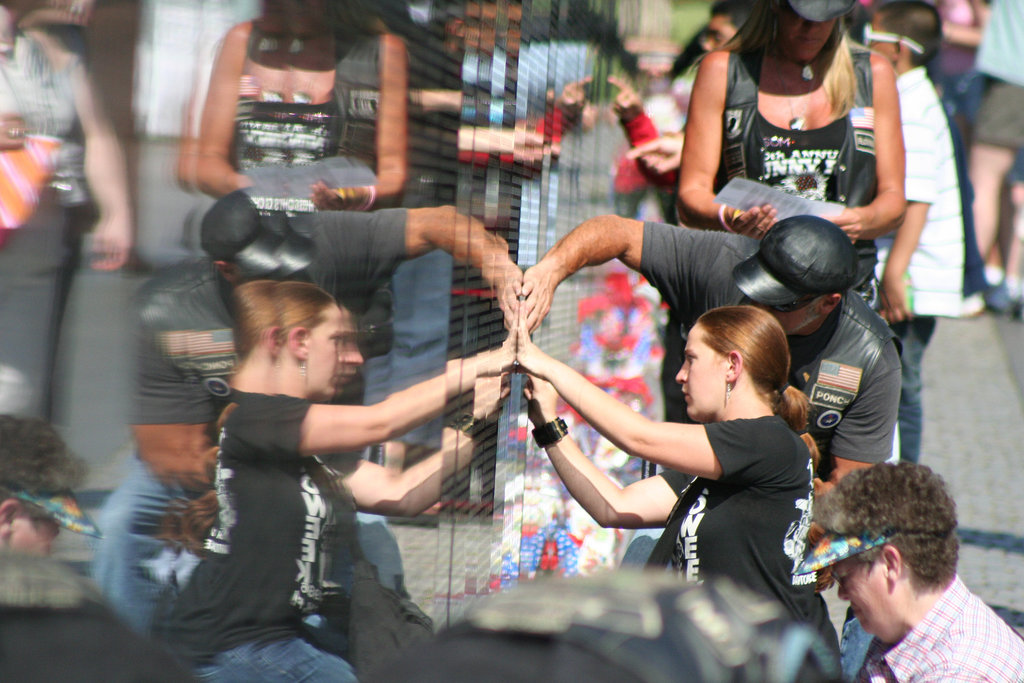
(792, 103)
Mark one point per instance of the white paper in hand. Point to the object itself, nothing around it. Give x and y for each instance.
(743, 193)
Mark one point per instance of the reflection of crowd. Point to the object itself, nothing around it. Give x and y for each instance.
(60, 154)
(285, 381)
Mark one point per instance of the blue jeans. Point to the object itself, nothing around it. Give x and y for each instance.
(285, 660)
(121, 559)
(33, 271)
(915, 335)
(421, 287)
(640, 547)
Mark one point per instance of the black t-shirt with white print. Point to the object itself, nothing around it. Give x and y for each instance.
(267, 553)
(751, 524)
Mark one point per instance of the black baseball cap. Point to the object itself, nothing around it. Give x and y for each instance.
(261, 245)
(822, 10)
(800, 256)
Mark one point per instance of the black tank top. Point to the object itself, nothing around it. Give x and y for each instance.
(284, 133)
(801, 162)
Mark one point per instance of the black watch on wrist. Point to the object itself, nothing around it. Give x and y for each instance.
(551, 433)
(464, 423)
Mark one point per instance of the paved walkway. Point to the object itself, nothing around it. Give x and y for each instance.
(974, 437)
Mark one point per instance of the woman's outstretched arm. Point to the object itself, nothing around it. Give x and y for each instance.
(335, 428)
(646, 503)
(408, 492)
(683, 447)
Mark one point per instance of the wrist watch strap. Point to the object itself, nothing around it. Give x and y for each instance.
(550, 433)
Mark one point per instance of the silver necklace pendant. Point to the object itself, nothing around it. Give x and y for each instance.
(807, 73)
(797, 123)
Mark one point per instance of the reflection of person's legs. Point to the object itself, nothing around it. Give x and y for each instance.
(285, 660)
(129, 519)
(422, 290)
(915, 335)
(381, 548)
(30, 262)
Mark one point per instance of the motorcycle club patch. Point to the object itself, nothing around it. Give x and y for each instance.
(829, 419)
(831, 397)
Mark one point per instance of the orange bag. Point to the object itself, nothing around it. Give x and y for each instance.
(24, 174)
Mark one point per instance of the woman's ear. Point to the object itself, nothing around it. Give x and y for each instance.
(269, 338)
(298, 342)
(735, 361)
(892, 562)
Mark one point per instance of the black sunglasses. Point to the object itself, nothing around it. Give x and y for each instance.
(792, 306)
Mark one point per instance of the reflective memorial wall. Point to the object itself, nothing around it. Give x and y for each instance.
(499, 110)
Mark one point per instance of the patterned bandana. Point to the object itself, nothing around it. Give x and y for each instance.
(63, 508)
(833, 548)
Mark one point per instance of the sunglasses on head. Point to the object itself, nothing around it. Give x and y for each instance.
(872, 36)
(792, 306)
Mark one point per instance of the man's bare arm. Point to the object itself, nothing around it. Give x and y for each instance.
(840, 469)
(469, 242)
(594, 241)
(176, 453)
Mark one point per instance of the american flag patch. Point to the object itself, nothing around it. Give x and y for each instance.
(196, 343)
(839, 375)
(248, 88)
(863, 117)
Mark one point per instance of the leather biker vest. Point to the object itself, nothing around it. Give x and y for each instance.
(185, 312)
(741, 147)
(833, 379)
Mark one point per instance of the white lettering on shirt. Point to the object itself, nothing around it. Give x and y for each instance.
(686, 544)
(316, 513)
(795, 542)
(219, 539)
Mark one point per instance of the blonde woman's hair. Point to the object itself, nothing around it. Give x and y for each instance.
(840, 81)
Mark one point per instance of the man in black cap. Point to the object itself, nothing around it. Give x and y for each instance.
(843, 355)
(186, 349)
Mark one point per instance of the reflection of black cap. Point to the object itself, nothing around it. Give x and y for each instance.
(234, 230)
(800, 256)
(821, 10)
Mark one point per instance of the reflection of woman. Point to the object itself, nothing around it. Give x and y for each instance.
(791, 103)
(44, 92)
(277, 506)
(747, 512)
(285, 90)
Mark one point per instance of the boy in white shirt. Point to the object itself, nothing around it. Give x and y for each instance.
(921, 264)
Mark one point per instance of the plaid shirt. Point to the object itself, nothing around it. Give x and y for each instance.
(960, 639)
